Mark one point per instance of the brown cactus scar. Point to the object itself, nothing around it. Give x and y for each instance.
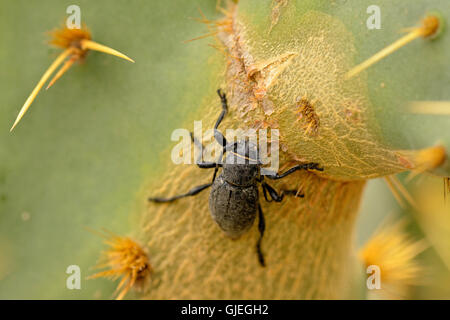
(307, 113)
(265, 73)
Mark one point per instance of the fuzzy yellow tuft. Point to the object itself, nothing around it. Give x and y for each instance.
(127, 260)
(420, 161)
(394, 252)
(80, 42)
(429, 27)
(76, 43)
(69, 38)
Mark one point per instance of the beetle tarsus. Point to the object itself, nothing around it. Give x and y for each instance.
(192, 192)
(261, 228)
(217, 134)
(305, 166)
(272, 192)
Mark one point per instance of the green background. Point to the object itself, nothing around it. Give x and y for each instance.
(83, 153)
(87, 150)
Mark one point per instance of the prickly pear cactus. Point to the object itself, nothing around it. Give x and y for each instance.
(97, 144)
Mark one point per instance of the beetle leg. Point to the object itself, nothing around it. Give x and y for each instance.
(273, 194)
(265, 194)
(220, 138)
(215, 173)
(305, 166)
(223, 99)
(261, 228)
(191, 192)
(202, 165)
(207, 165)
(196, 142)
(217, 134)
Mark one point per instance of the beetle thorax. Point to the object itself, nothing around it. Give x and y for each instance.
(242, 175)
(241, 166)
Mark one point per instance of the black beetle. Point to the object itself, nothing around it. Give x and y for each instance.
(234, 197)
